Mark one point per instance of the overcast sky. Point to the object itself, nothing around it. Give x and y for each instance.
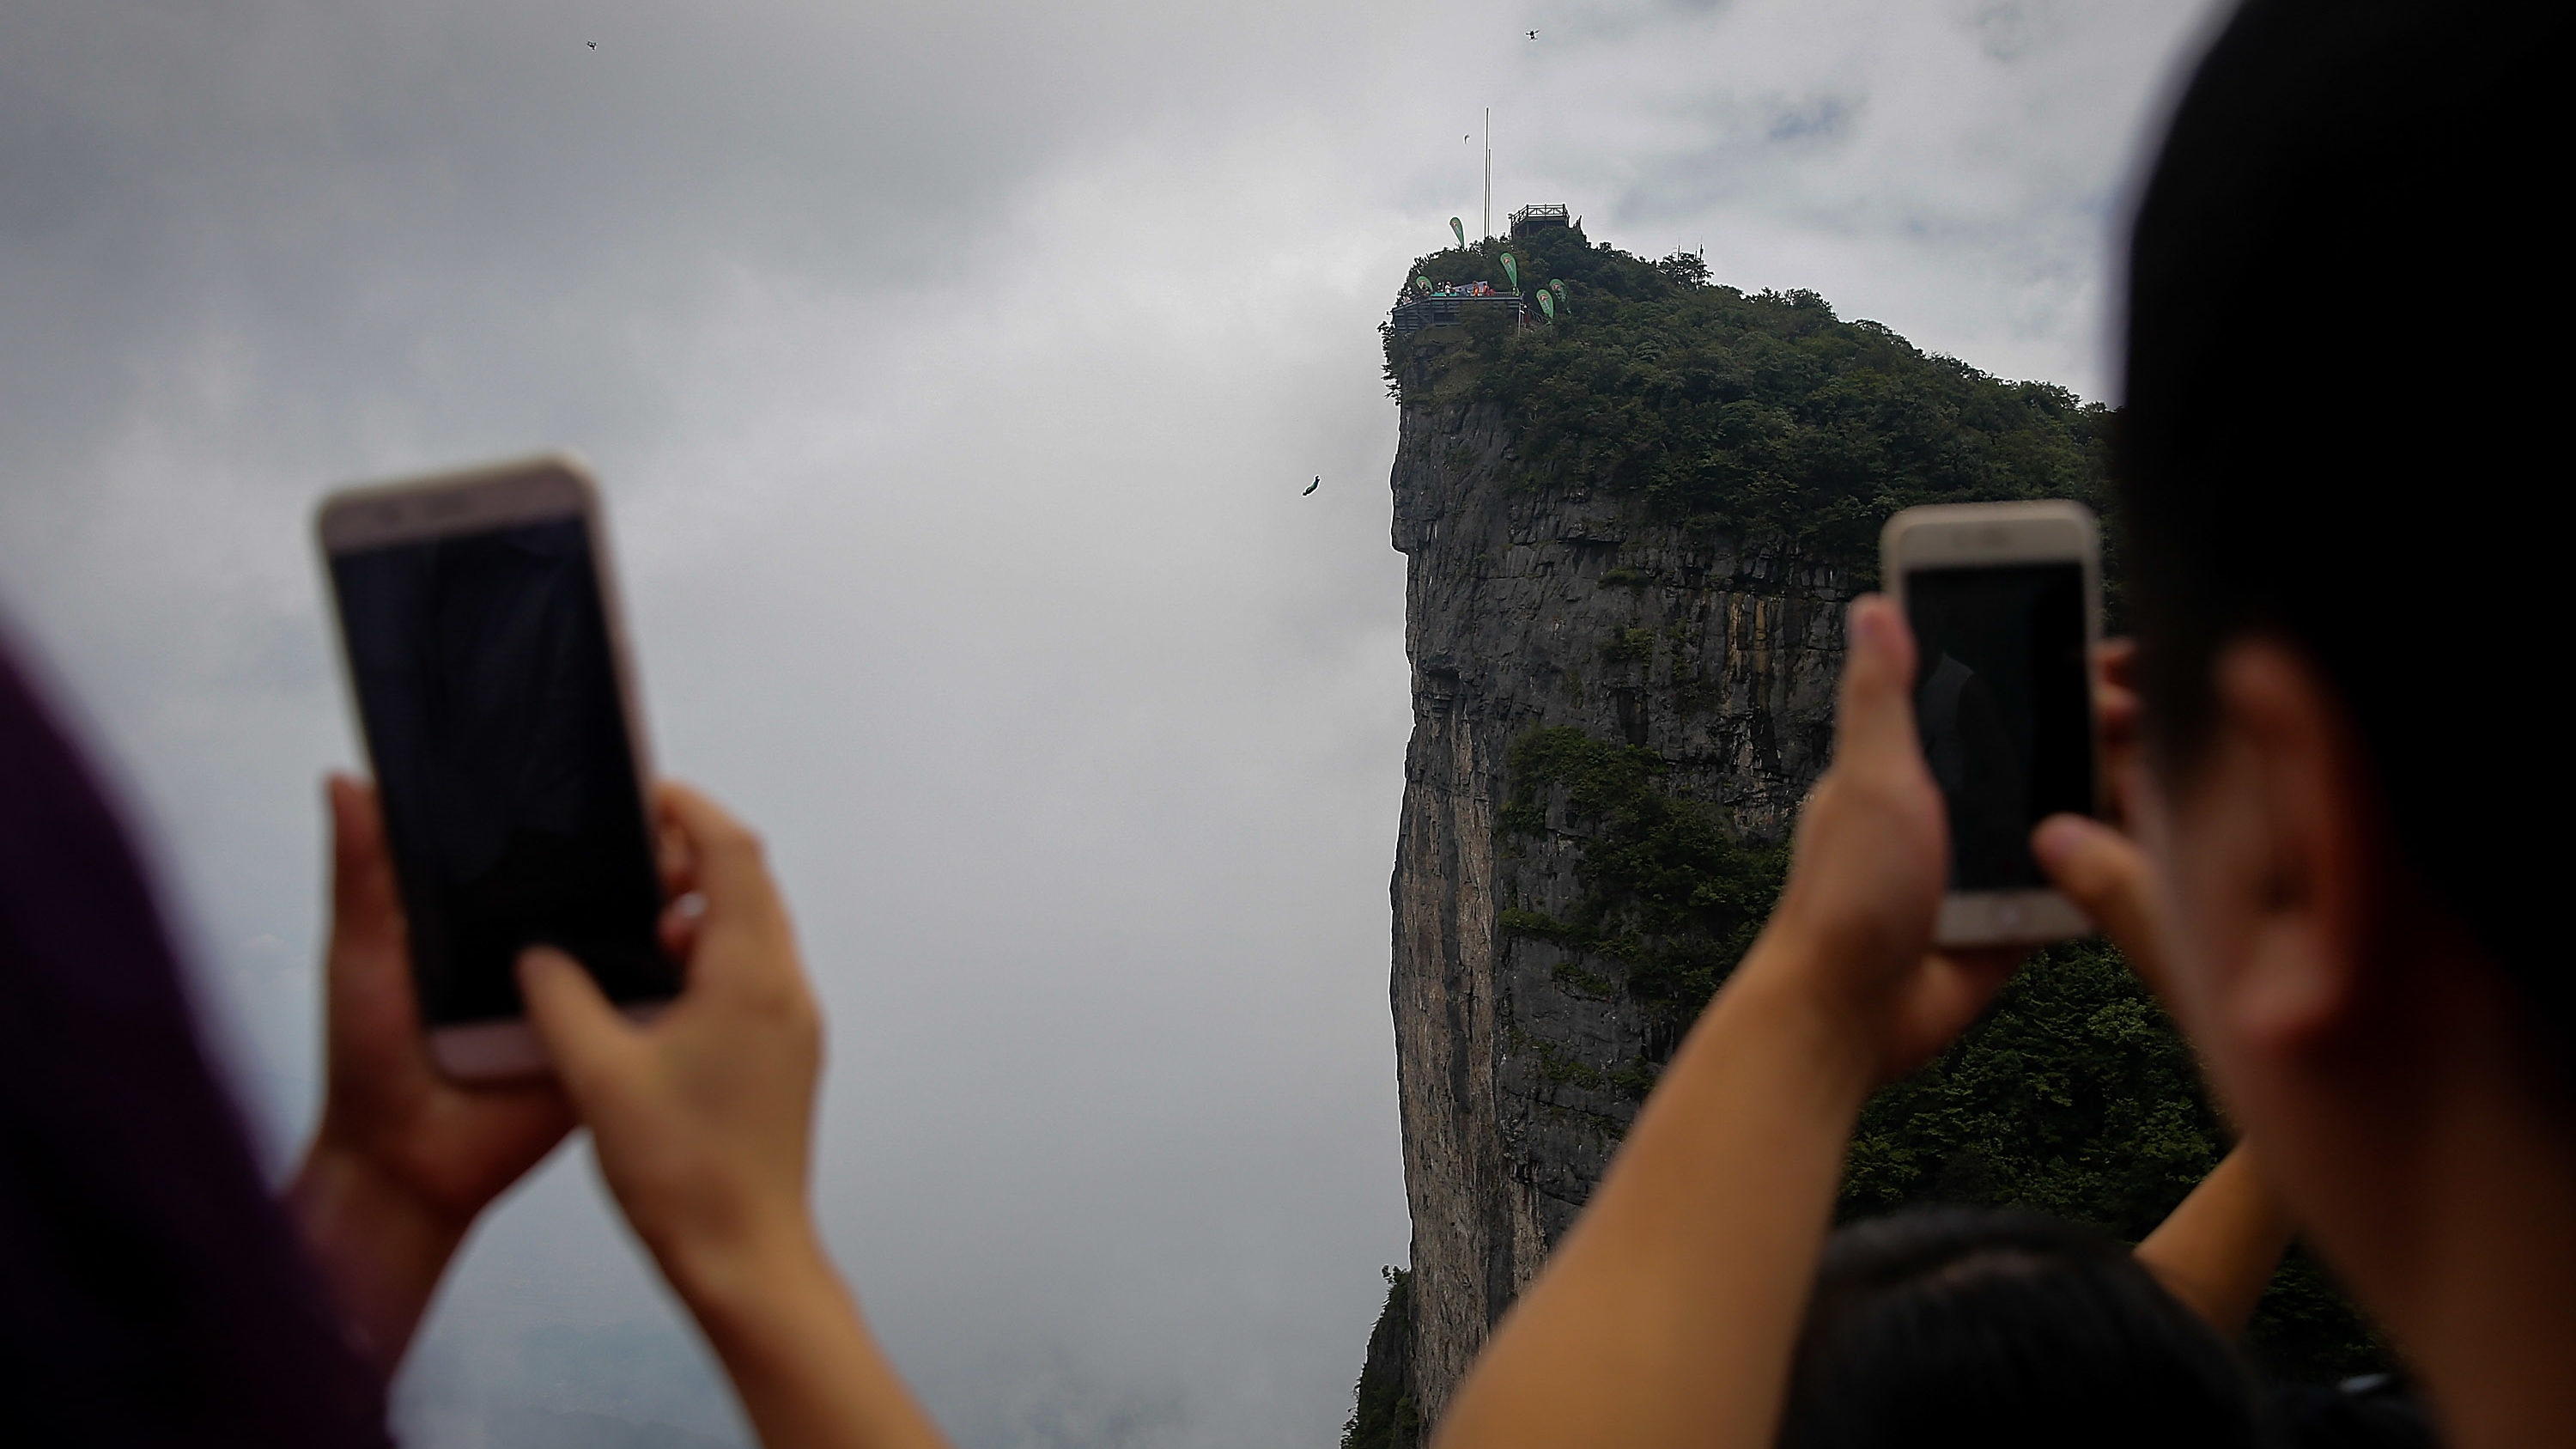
(953, 372)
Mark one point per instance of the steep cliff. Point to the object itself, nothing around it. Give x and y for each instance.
(1630, 534)
(1530, 609)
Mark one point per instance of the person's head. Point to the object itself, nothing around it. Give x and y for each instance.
(2343, 529)
(1967, 1326)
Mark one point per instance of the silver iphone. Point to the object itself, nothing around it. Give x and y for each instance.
(2005, 600)
(485, 652)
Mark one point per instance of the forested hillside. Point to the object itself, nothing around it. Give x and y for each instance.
(1756, 414)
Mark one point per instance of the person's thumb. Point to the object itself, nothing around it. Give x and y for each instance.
(2106, 875)
(584, 1036)
(1874, 718)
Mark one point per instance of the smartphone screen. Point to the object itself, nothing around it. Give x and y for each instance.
(2001, 697)
(489, 695)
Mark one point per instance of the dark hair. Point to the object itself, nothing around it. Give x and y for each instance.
(2002, 1328)
(151, 1292)
(2343, 348)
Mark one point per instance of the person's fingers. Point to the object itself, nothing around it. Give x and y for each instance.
(1946, 993)
(370, 1013)
(2115, 697)
(1874, 719)
(1971, 976)
(365, 902)
(679, 926)
(2117, 709)
(2106, 874)
(2115, 712)
(732, 873)
(2117, 661)
(734, 882)
(585, 1038)
(672, 856)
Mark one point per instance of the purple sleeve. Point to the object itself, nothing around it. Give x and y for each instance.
(151, 1290)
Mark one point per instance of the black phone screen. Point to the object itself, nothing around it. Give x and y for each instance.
(489, 696)
(2001, 695)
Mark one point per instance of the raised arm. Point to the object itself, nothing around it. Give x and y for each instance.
(703, 1122)
(1668, 1315)
(2216, 1250)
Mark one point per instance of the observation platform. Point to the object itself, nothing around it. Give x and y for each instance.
(1545, 215)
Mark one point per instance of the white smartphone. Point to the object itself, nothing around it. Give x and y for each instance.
(2006, 604)
(487, 658)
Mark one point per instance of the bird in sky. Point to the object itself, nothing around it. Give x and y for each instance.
(1311, 487)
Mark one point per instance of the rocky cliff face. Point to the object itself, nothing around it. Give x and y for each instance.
(1533, 604)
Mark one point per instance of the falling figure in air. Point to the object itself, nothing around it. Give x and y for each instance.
(1533, 35)
(593, 44)
(1311, 487)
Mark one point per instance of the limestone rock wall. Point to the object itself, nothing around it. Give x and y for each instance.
(1533, 602)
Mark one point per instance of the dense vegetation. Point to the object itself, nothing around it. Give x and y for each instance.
(1383, 1414)
(1670, 897)
(1758, 414)
(2073, 1096)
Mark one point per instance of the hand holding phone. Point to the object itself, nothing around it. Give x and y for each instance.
(2004, 600)
(404, 1158)
(1852, 935)
(702, 1119)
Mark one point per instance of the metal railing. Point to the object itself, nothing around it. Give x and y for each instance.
(1543, 214)
(1415, 313)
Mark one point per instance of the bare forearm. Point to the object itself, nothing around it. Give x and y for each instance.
(810, 1373)
(380, 1253)
(1669, 1314)
(2217, 1249)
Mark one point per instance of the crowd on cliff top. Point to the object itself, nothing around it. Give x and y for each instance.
(2355, 920)
(1465, 289)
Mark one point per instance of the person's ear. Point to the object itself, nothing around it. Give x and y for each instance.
(2306, 856)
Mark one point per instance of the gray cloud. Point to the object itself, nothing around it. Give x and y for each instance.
(954, 372)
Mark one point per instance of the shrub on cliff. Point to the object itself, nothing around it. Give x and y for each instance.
(1383, 1414)
(1671, 898)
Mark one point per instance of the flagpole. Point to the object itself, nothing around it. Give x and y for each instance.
(1489, 173)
